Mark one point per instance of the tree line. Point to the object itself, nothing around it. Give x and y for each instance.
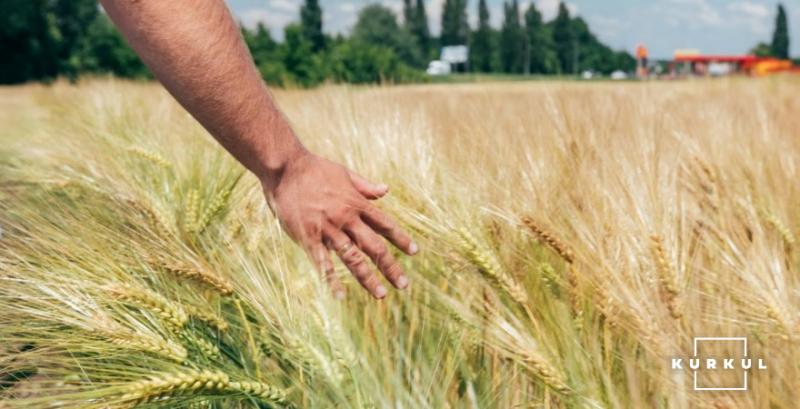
(45, 39)
(779, 47)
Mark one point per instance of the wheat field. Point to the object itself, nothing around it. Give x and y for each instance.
(575, 237)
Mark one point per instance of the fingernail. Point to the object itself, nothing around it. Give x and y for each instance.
(380, 292)
(339, 295)
(383, 188)
(413, 249)
(402, 282)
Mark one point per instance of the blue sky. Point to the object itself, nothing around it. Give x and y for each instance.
(712, 26)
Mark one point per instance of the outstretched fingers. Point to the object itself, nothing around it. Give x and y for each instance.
(322, 257)
(355, 261)
(368, 189)
(386, 227)
(373, 246)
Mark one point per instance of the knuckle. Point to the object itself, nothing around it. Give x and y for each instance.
(369, 280)
(393, 270)
(341, 216)
(381, 253)
(353, 259)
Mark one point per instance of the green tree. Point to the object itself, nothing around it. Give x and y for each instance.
(40, 39)
(780, 38)
(540, 57)
(104, 51)
(420, 30)
(302, 65)
(512, 40)
(408, 14)
(761, 50)
(455, 28)
(311, 24)
(481, 47)
(564, 41)
(260, 42)
(26, 42)
(415, 22)
(72, 20)
(265, 51)
(355, 62)
(377, 26)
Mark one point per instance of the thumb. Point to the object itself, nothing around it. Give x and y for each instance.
(368, 189)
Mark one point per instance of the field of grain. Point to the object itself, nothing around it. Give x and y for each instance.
(574, 239)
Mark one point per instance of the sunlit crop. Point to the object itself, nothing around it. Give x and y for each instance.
(574, 238)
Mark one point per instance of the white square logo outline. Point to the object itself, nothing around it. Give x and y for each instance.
(694, 372)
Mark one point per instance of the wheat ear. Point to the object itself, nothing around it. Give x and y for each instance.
(549, 239)
(211, 319)
(150, 156)
(125, 338)
(153, 216)
(192, 210)
(214, 281)
(780, 227)
(148, 300)
(666, 277)
(206, 348)
(198, 383)
(490, 268)
(217, 204)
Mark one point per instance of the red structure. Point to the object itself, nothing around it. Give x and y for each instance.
(717, 65)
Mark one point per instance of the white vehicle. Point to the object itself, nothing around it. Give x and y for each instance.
(437, 67)
(619, 75)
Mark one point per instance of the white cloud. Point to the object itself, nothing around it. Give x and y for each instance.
(749, 8)
(606, 27)
(549, 8)
(694, 12)
(347, 8)
(274, 20)
(288, 6)
(433, 8)
(754, 16)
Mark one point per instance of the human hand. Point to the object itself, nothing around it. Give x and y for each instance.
(323, 206)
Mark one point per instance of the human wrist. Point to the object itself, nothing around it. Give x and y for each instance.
(272, 167)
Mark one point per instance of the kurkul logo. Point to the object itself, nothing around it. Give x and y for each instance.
(703, 364)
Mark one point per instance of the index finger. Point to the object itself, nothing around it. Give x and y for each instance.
(386, 227)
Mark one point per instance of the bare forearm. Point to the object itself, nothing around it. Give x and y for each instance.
(194, 48)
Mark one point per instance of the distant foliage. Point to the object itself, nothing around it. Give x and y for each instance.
(359, 63)
(455, 27)
(44, 39)
(483, 43)
(41, 40)
(311, 24)
(780, 38)
(511, 37)
(377, 25)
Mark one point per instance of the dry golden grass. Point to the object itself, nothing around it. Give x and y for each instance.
(575, 237)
